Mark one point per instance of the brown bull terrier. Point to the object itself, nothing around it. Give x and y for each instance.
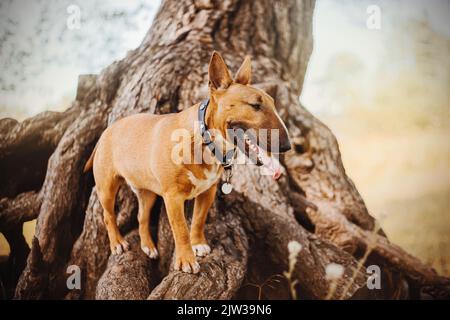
(138, 150)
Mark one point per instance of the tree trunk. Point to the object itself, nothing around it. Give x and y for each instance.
(315, 203)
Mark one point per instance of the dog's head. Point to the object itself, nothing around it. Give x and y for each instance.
(246, 109)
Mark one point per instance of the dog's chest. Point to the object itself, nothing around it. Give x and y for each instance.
(200, 185)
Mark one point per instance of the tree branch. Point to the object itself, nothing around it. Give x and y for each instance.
(16, 211)
(127, 276)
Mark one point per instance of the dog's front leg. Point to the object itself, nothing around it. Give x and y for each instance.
(201, 206)
(184, 256)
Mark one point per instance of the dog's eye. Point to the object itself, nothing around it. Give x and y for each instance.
(255, 106)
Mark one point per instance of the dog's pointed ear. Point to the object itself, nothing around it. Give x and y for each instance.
(219, 76)
(244, 74)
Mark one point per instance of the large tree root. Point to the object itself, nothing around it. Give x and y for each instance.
(315, 203)
(63, 196)
(25, 148)
(91, 251)
(25, 207)
(270, 219)
(127, 276)
(221, 272)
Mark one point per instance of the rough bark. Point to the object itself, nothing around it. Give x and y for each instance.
(221, 272)
(13, 212)
(91, 250)
(127, 276)
(315, 203)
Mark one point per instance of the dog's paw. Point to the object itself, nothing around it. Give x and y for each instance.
(187, 264)
(152, 253)
(201, 250)
(120, 247)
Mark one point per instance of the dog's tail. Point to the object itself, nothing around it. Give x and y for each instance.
(89, 164)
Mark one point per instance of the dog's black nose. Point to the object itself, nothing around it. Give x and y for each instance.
(285, 145)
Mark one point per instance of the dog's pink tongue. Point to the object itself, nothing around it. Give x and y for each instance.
(270, 163)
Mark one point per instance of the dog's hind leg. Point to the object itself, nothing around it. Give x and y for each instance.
(146, 201)
(107, 195)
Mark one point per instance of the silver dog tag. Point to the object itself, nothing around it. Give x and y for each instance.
(227, 187)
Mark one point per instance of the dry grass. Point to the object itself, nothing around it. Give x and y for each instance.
(403, 174)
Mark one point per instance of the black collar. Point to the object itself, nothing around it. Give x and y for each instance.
(225, 160)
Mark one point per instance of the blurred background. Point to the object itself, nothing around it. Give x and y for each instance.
(384, 91)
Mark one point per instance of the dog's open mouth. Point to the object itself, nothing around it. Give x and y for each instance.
(262, 157)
